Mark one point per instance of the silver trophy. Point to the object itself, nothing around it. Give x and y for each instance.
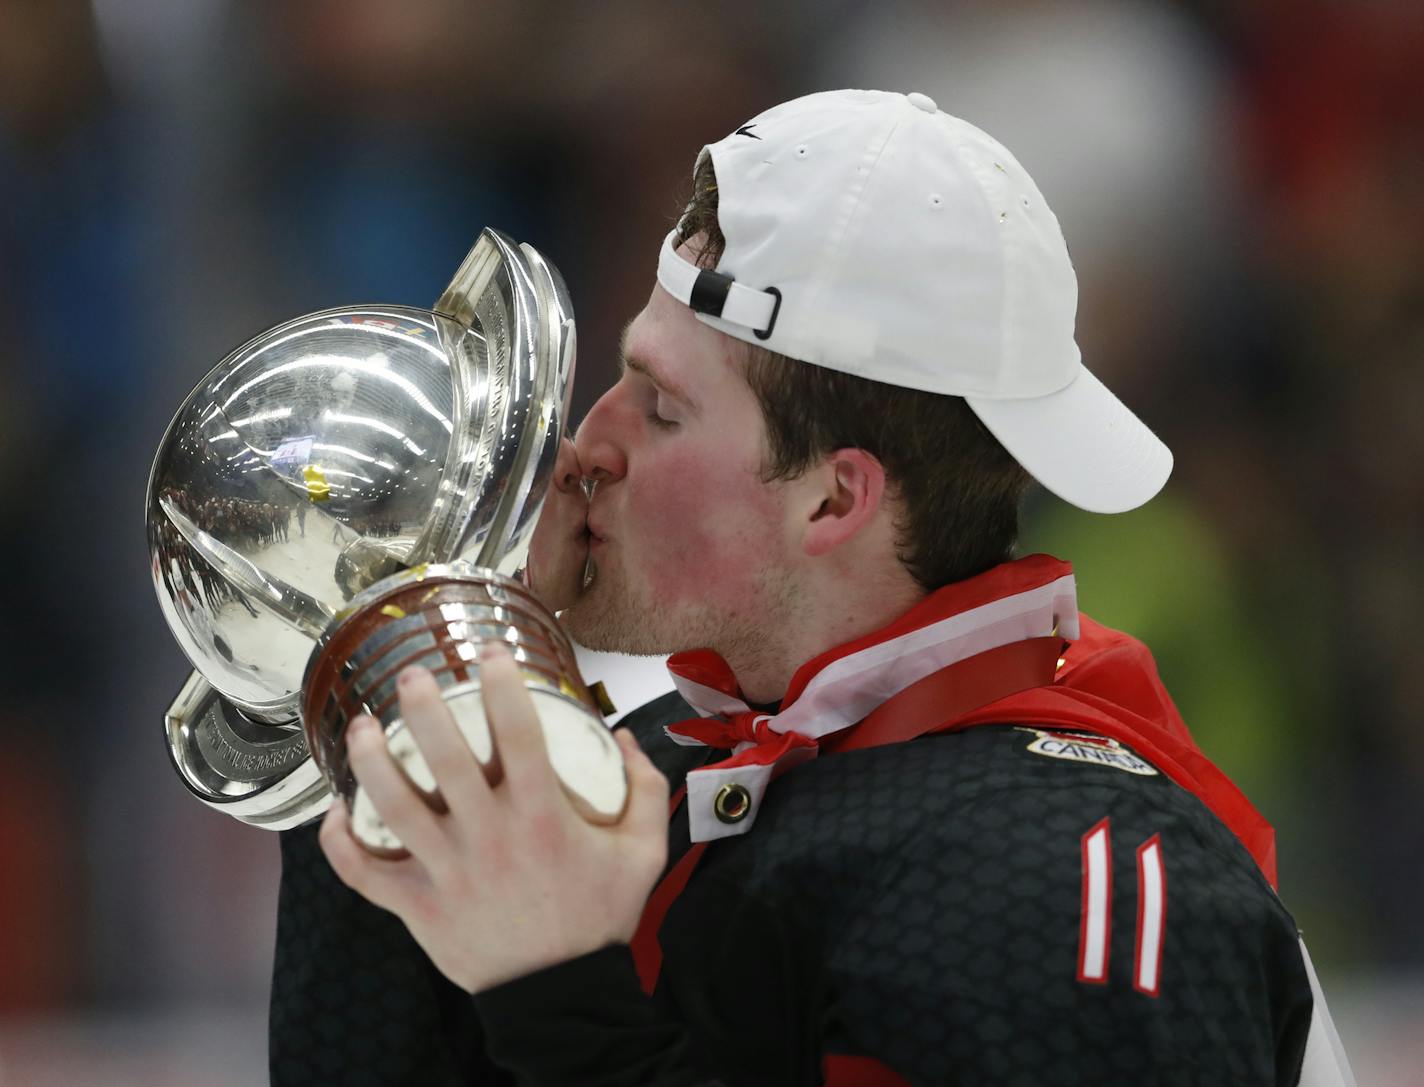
(349, 493)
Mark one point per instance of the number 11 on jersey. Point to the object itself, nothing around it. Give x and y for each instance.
(1095, 925)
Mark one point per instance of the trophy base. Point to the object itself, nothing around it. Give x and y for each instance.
(441, 617)
(262, 775)
(581, 749)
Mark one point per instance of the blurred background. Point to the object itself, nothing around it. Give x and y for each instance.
(1241, 183)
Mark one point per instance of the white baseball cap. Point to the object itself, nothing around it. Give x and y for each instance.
(870, 233)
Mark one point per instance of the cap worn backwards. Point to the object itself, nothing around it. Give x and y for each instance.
(870, 233)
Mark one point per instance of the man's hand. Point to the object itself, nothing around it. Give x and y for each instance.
(510, 879)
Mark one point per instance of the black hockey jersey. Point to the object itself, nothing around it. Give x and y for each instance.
(1000, 905)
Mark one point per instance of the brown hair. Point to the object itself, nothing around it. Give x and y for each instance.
(959, 489)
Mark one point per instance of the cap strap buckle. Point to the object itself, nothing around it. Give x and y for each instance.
(716, 294)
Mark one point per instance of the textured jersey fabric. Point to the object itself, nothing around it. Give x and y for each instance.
(919, 903)
(355, 1001)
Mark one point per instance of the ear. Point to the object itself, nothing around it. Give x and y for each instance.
(845, 497)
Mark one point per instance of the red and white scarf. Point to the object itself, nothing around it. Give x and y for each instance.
(1033, 597)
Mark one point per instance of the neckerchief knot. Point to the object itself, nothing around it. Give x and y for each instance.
(730, 731)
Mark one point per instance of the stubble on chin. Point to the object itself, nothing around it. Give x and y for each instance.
(613, 618)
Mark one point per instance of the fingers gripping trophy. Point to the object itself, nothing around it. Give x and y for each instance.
(353, 492)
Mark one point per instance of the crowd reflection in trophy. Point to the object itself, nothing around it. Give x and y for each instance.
(249, 522)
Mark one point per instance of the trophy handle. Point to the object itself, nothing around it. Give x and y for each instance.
(554, 374)
(472, 279)
(513, 359)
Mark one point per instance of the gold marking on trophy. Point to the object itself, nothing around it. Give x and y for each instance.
(600, 695)
(318, 489)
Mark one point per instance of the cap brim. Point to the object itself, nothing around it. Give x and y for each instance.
(1082, 443)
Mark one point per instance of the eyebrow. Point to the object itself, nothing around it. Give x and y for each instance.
(659, 380)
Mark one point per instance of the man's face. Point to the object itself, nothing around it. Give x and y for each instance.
(689, 547)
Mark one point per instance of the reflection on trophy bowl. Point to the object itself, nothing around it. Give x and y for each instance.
(441, 617)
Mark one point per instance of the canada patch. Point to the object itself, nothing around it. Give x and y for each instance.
(1084, 747)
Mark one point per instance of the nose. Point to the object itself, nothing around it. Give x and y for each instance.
(600, 452)
(567, 474)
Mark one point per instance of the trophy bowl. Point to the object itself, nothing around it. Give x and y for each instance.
(323, 457)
